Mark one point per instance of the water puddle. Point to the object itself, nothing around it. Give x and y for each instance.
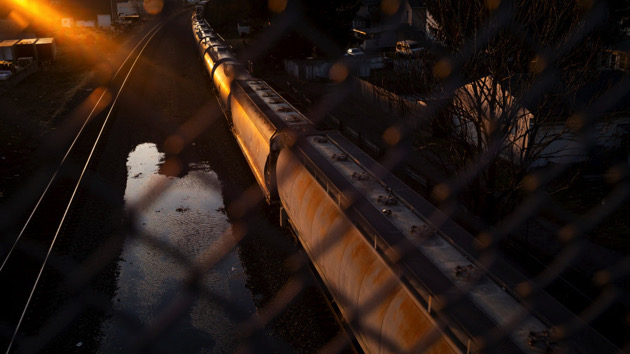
(178, 226)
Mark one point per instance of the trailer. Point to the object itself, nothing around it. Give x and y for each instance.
(46, 50)
(104, 21)
(129, 8)
(67, 22)
(25, 48)
(7, 50)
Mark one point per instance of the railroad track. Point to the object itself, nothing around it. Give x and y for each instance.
(25, 255)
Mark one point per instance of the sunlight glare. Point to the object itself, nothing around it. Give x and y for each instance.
(37, 11)
(19, 20)
(153, 7)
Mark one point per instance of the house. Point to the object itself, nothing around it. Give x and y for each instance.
(367, 15)
(104, 21)
(67, 22)
(616, 57)
(432, 29)
(414, 14)
(376, 34)
(85, 23)
(129, 9)
(484, 106)
(376, 38)
(541, 131)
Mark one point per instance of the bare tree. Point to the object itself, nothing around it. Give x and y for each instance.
(520, 65)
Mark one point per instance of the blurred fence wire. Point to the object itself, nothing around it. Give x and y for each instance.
(530, 160)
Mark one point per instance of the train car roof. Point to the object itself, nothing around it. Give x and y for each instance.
(437, 255)
(8, 42)
(280, 113)
(202, 24)
(222, 53)
(28, 41)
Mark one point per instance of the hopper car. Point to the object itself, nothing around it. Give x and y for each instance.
(403, 275)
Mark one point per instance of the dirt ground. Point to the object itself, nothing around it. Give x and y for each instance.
(171, 103)
(32, 109)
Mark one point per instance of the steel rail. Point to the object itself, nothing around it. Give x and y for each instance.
(152, 34)
(52, 178)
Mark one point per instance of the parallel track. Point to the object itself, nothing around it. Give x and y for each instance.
(24, 262)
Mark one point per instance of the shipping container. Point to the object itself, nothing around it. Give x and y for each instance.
(7, 50)
(67, 22)
(85, 23)
(46, 50)
(104, 21)
(26, 49)
(128, 8)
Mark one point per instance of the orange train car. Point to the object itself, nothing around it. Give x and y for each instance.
(404, 276)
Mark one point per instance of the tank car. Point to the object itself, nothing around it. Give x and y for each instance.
(220, 64)
(263, 122)
(202, 32)
(197, 14)
(207, 43)
(201, 25)
(224, 69)
(389, 258)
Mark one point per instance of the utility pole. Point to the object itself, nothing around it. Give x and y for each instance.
(111, 5)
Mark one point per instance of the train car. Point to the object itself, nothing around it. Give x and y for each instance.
(208, 43)
(404, 276)
(263, 122)
(390, 259)
(201, 33)
(224, 69)
(201, 25)
(198, 20)
(198, 11)
(219, 62)
(202, 29)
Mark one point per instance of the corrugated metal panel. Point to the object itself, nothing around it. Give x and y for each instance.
(352, 271)
(389, 222)
(226, 70)
(277, 111)
(501, 272)
(253, 143)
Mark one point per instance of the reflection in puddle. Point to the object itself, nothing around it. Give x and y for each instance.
(187, 218)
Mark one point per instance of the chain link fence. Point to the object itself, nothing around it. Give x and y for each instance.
(514, 144)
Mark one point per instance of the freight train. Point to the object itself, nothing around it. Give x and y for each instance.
(402, 274)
